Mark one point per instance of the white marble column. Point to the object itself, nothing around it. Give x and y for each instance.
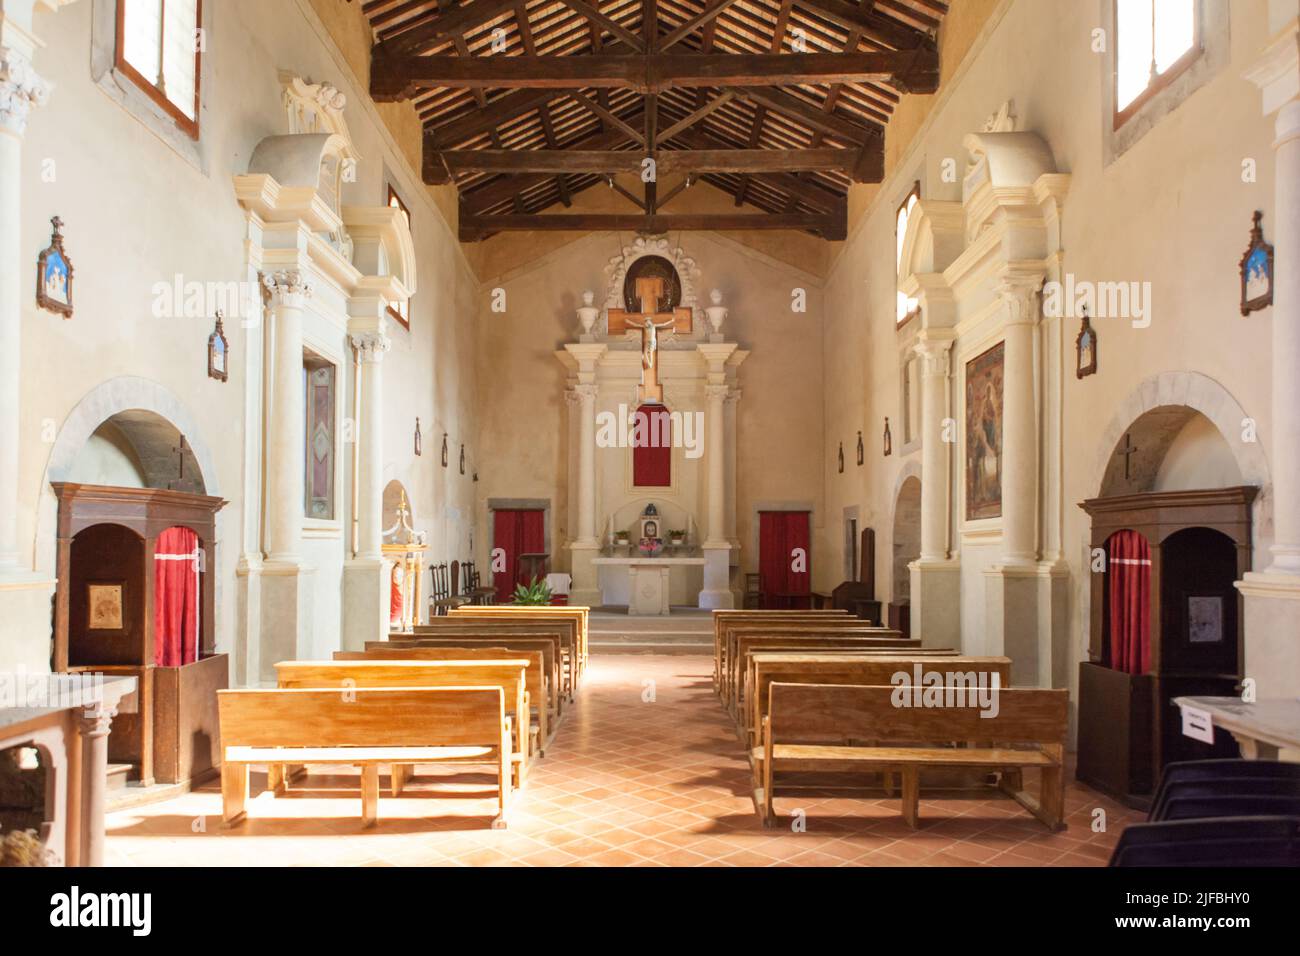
(715, 453)
(20, 90)
(370, 347)
(285, 294)
(95, 728)
(586, 464)
(1019, 424)
(935, 369)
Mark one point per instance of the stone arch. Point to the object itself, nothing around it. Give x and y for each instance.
(1167, 395)
(123, 400)
(905, 532)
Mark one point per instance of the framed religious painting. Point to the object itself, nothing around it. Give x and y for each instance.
(1085, 349)
(218, 352)
(984, 375)
(105, 605)
(1256, 270)
(54, 274)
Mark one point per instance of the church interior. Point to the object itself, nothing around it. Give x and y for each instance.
(650, 433)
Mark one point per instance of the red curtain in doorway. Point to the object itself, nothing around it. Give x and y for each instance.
(780, 535)
(652, 447)
(1128, 563)
(516, 532)
(176, 598)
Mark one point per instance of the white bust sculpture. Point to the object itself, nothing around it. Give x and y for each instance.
(587, 314)
(717, 313)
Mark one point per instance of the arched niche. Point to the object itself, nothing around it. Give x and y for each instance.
(906, 546)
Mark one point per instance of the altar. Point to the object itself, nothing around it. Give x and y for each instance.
(646, 587)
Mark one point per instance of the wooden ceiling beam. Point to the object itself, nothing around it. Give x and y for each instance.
(612, 26)
(722, 99)
(704, 19)
(396, 77)
(444, 27)
(800, 109)
(609, 116)
(872, 25)
(604, 162)
(833, 226)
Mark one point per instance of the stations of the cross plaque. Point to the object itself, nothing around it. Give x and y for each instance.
(650, 321)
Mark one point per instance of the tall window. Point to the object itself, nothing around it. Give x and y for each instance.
(160, 46)
(401, 311)
(906, 306)
(1155, 40)
(318, 387)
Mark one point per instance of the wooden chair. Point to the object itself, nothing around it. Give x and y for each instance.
(474, 589)
(442, 598)
(372, 726)
(752, 597)
(1252, 841)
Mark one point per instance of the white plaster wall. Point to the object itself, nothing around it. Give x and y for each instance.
(1198, 458)
(137, 213)
(1172, 210)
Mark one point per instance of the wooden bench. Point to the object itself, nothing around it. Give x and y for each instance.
(577, 613)
(722, 618)
(876, 667)
(821, 727)
(508, 674)
(541, 692)
(471, 636)
(366, 727)
(743, 640)
(566, 631)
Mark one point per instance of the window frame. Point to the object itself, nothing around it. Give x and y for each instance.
(1163, 81)
(396, 314)
(189, 127)
(913, 193)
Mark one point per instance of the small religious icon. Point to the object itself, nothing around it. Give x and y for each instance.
(54, 274)
(840, 458)
(218, 351)
(889, 440)
(444, 449)
(104, 604)
(1085, 349)
(419, 440)
(862, 452)
(1256, 271)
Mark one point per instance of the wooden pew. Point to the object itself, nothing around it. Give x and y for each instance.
(744, 637)
(547, 644)
(819, 727)
(404, 725)
(541, 692)
(577, 613)
(721, 618)
(565, 630)
(876, 667)
(508, 674)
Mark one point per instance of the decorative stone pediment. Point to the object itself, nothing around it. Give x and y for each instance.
(314, 107)
(1003, 169)
(688, 272)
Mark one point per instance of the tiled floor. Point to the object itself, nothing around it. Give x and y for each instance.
(645, 770)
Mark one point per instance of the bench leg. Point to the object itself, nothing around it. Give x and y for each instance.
(369, 794)
(911, 796)
(1052, 798)
(503, 782)
(769, 798)
(398, 776)
(234, 791)
(276, 779)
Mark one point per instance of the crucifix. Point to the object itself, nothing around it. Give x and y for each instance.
(179, 452)
(650, 321)
(1128, 451)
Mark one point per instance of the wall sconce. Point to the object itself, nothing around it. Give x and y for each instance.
(841, 457)
(862, 453)
(444, 449)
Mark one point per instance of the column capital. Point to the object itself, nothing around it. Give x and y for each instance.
(96, 723)
(371, 346)
(285, 287)
(733, 396)
(21, 88)
(935, 352)
(1020, 293)
(717, 392)
(585, 391)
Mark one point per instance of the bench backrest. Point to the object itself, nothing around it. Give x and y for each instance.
(534, 676)
(508, 674)
(547, 646)
(830, 713)
(577, 613)
(366, 717)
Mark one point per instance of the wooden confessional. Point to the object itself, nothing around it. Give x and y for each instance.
(1199, 544)
(859, 597)
(107, 537)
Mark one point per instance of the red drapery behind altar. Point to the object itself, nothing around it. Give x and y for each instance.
(516, 532)
(652, 447)
(176, 598)
(1128, 563)
(780, 533)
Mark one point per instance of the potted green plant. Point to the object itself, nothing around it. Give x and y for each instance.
(532, 594)
(677, 537)
(621, 537)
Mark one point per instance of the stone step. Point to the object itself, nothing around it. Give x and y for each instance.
(118, 774)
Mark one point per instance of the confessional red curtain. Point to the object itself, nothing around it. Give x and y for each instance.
(1128, 564)
(516, 532)
(780, 533)
(176, 598)
(652, 447)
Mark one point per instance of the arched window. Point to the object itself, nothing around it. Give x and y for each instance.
(1155, 40)
(906, 306)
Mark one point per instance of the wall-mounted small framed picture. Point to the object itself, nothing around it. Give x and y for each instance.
(1256, 270)
(888, 438)
(1085, 349)
(840, 458)
(1204, 618)
(218, 351)
(444, 449)
(419, 441)
(105, 605)
(54, 274)
(462, 459)
(862, 451)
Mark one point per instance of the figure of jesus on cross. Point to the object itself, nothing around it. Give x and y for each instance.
(649, 292)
